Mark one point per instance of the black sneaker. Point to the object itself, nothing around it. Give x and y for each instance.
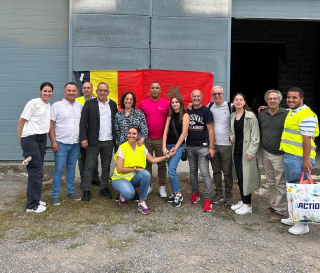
(136, 197)
(170, 199)
(217, 199)
(178, 198)
(117, 198)
(105, 193)
(229, 200)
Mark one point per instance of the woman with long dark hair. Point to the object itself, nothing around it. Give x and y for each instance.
(33, 126)
(245, 137)
(174, 134)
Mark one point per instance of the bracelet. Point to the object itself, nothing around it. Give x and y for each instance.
(135, 169)
(167, 155)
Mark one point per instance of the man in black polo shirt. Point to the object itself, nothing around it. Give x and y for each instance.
(271, 121)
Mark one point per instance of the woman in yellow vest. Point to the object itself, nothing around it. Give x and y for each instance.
(130, 170)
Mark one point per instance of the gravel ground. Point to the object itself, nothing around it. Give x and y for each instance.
(169, 239)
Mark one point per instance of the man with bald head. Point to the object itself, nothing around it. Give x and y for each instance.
(97, 136)
(200, 148)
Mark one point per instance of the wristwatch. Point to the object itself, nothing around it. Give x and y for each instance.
(212, 147)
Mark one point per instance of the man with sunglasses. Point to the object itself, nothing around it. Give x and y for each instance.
(222, 160)
(97, 136)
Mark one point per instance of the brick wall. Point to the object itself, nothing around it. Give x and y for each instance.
(301, 39)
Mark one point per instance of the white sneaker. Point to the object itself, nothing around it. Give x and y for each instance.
(245, 209)
(149, 190)
(287, 222)
(37, 209)
(41, 203)
(299, 228)
(162, 191)
(237, 206)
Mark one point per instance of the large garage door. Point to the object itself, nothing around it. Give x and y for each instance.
(33, 49)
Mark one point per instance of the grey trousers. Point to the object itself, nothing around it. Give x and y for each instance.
(222, 163)
(105, 149)
(197, 158)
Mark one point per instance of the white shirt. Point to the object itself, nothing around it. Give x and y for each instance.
(67, 120)
(105, 132)
(37, 116)
(222, 124)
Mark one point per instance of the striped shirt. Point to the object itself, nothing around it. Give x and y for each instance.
(308, 125)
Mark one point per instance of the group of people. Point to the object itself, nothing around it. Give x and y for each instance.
(223, 134)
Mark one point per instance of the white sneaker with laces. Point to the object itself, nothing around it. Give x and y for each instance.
(299, 228)
(287, 222)
(39, 209)
(245, 209)
(149, 190)
(41, 203)
(162, 191)
(237, 206)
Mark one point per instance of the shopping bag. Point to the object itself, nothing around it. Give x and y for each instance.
(304, 200)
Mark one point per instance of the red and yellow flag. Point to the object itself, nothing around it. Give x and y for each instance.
(172, 83)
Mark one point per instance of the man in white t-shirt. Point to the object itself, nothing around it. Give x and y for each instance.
(64, 135)
(222, 161)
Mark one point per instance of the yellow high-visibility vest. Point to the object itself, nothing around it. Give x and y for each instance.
(131, 159)
(291, 139)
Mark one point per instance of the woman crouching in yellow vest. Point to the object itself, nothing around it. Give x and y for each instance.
(130, 170)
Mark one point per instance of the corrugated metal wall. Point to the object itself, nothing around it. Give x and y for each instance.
(33, 49)
(141, 34)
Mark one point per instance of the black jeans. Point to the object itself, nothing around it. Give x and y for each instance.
(246, 199)
(105, 149)
(34, 146)
(82, 163)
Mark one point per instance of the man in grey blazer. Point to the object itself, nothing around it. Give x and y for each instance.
(97, 136)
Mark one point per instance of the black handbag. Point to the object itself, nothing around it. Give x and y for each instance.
(184, 156)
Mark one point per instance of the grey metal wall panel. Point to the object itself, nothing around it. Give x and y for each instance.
(102, 58)
(286, 9)
(189, 33)
(190, 8)
(33, 49)
(213, 61)
(131, 7)
(114, 31)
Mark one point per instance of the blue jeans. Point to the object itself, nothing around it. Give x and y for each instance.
(293, 167)
(141, 180)
(197, 156)
(66, 156)
(172, 167)
(34, 146)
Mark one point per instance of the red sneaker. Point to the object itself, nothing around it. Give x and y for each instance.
(207, 205)
(194, 198)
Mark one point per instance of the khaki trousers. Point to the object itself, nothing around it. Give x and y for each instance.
(273, 166)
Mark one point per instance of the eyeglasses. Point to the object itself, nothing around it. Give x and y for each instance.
(103, 90)
(216, 94)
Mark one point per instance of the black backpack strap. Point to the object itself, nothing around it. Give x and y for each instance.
(210, 104)
(229, 105)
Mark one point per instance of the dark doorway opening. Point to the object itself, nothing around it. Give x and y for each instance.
(255, 69)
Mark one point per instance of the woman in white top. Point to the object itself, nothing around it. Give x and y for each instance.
(33, 126)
